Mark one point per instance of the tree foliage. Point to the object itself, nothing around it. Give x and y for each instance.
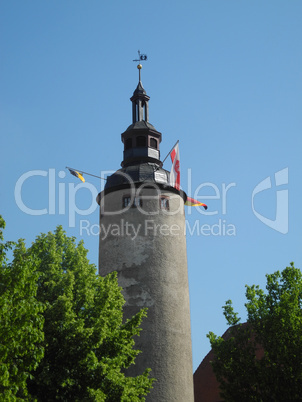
(262, 359)
(84, 348)
(21, 320)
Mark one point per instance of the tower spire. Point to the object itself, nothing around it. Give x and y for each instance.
(141, 140)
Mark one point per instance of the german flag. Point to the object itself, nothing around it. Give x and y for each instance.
(77, 174)
(194, 203)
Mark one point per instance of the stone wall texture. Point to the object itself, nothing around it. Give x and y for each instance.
(147, 247)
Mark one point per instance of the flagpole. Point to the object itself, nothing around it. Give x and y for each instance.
(78, 170)
(171, 151)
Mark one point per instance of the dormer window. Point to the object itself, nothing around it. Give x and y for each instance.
(140, 141)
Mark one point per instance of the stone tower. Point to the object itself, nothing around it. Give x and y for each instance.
(142, 237)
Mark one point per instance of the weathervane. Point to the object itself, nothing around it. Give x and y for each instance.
(141, 57)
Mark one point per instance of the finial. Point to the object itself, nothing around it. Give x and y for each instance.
(139, 66)
(141, 57)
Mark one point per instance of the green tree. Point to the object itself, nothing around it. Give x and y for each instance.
(262, 359)
(87, 345)
(21, 320)
(62, 333)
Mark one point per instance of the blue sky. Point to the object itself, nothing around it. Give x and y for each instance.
(224, 78)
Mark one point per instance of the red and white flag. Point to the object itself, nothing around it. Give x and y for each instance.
(175, 171)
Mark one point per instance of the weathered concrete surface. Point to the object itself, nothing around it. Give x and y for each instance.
(151, 262)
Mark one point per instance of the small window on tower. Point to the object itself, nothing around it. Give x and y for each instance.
(126, 201)
(137, 202)
(134, 202)
(128, 143)
(141, 141)
(164, 203)
(153, 143)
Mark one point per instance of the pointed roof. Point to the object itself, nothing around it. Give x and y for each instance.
(139, 89)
